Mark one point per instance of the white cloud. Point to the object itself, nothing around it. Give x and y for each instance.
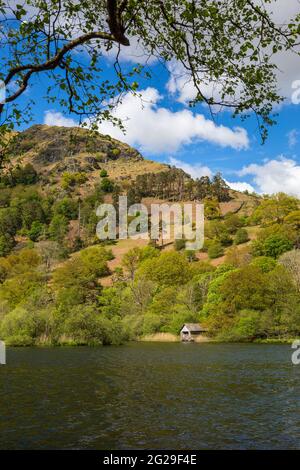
(55, 118)
(134, 53)
(195, 170)
(273, 176)
(157, 129)
(281, 175)
(241, 186)
(292, 137)
(181, 85)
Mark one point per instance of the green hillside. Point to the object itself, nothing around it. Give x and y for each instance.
(61, 285)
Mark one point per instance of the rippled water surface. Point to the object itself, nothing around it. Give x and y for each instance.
(151, 396)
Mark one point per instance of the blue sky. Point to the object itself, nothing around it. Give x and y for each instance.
(163, 128)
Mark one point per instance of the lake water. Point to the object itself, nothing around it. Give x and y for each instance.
(151, 396)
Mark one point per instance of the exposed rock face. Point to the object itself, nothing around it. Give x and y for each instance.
(50, 144)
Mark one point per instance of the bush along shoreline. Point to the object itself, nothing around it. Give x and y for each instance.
(155, 292)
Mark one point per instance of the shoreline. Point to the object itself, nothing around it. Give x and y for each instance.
(157, 338)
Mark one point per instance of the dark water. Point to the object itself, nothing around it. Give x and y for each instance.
(151, 396)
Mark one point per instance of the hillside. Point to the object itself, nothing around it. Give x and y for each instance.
(68, 162)
(60, 285)
(54, 151)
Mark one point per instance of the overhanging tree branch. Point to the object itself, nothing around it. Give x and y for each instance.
(227, 45)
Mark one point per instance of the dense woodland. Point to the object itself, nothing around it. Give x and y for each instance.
(51, 266)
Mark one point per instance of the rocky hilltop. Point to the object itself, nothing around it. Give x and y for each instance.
(60, 154)
(54, 150)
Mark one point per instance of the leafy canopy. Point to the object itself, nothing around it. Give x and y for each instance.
(230, 44)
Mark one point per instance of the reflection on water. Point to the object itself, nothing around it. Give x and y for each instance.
(151, 396)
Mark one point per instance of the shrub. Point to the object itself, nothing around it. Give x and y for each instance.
(241, 236)
(6, 244)
(70, 180)
(115, 152)
(264, 263)
(276, 245)
(179, 244)
(84, 326)
(24, 175)
(66, 207)
(215, 250)
(233, 222)
(103, 173)
(225, 239)
(22, 324)
(191, 255)
(21, 340)
(5, 196)
(247, 327)
(107, 185)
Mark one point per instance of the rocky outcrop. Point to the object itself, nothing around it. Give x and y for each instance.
(48, 145)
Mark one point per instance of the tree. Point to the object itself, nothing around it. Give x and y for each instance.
(9, 222)
(238, 256)
(293, 219)
(230, 43)
(49, 252)
(31, 211)
(19, 327)
(70, 180)
(19, 262)
(274, 209)
(220, 188)
(16, 289)
(76, 281)
(5, 196)
(58, 228)
(212, 209)
(271, 294)
(169, 269)
(36, 230)
(28, 204)
(131, 260)
(134, 257)
(85, 326)
(291, 262)
(215, 229)
(244, 288)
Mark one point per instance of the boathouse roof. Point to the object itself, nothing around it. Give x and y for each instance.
(194, 327)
